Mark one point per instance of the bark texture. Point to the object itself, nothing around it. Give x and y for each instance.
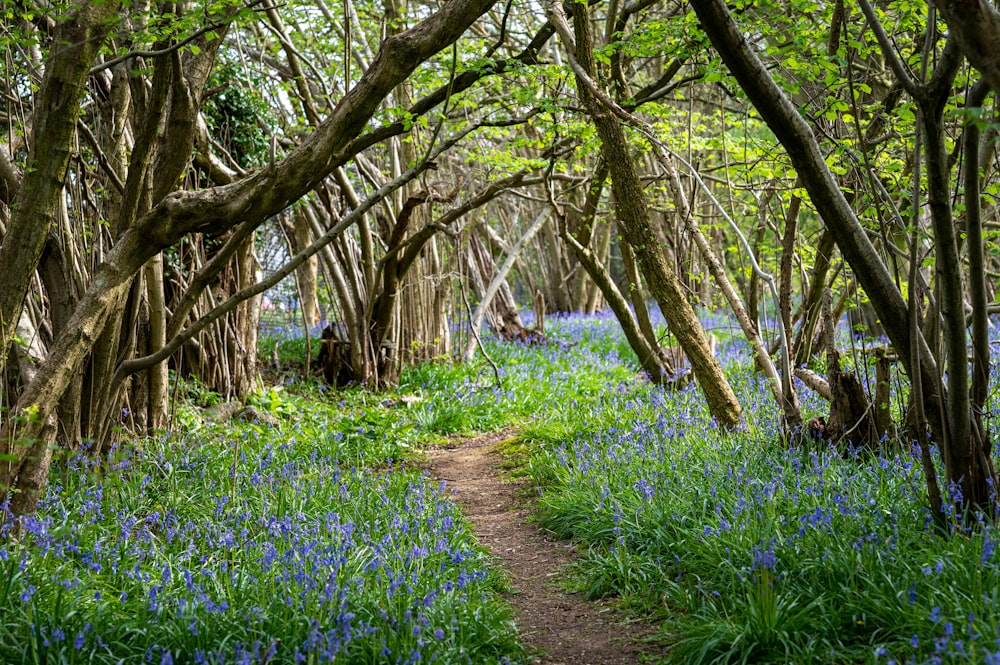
(78, 38)
(636, 227)
(976, 26)
(252, 200)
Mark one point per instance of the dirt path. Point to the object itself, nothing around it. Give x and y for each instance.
(560, 628)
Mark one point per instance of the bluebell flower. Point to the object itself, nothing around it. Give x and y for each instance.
(764, 558)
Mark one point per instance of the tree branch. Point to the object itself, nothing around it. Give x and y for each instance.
(252, 199)
(138, 364)
(976, 26)
(173, 48)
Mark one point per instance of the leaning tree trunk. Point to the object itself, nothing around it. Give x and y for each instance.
(581, 285)
(810, 309)
(637, 295)
(652, 358)
(782, 386)
(38, 205)
(633, 216)
(800, 143)
(502, 312)
(964, 446)
(56, 113)
(249, 200)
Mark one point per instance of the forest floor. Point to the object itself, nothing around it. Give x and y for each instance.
(559, 628)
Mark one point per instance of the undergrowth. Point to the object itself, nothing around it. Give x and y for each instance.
(313, 541)
(320, 539)
(747, 551)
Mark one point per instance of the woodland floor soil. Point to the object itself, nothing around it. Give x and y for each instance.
(559, 628)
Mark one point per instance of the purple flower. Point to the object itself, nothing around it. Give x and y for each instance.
(765, 559)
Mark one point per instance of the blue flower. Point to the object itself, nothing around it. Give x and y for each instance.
(764, 558)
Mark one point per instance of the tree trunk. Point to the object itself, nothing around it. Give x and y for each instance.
(794, 134)
(633, 216)
(80, 35)
(637, 294)
(584, 234)
(979, 390)
(851, 416)
(976, 25)
(251, 200)
(789, 402)
(651, 356)
(498, 280)
(306, 277)
(809, 310)
(872, 273)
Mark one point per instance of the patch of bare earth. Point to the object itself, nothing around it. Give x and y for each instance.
(559, 628)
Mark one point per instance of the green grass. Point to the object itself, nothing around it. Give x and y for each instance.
(748, 552)
(251, 542)
(305, 542)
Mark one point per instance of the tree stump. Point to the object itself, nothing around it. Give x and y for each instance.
(334, 359)
(852, 417)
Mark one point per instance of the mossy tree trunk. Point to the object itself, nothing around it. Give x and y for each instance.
(171, 215)
(634, 222)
